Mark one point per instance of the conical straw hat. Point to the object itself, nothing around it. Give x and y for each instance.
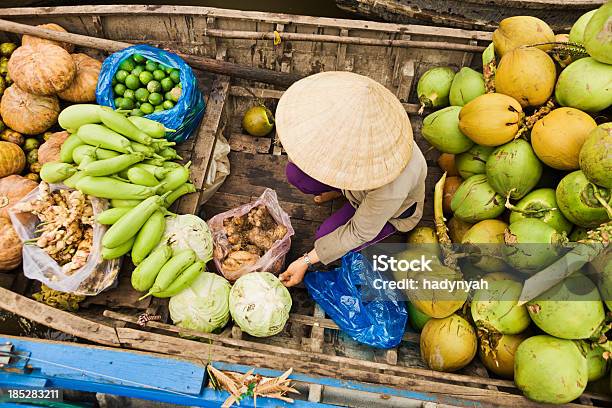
(345, 130)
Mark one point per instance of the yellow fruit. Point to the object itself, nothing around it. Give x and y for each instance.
(497, 354)
(448, 344)
(516, 31)
(491, 119)
(558, 137)
(526, 74)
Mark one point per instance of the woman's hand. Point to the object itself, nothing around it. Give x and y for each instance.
(294, 273)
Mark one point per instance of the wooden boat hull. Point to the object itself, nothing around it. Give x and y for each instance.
(394, 55)
(471, 14)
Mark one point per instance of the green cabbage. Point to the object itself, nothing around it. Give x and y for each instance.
(189, 231)
(204, 306)
(260, 304)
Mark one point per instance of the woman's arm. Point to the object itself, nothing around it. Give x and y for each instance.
(297, 269)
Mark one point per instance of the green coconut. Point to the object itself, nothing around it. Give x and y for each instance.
(513, 169)
(473, 161)
(258, 121)
(542, 205)
(585, 85)
(416, 318)
(433, 87)
(598, 34)
(475, 200)
(483, 242)
(580, 201)
(467, 85)
(441, 129)
(531, 245)
(602, 266)
(495, 308)
(550, 370)
(572, 309)
(597, 365)
(596, 156)
(576, 34)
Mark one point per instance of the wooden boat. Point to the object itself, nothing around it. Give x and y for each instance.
(393, 54)
(471, 14)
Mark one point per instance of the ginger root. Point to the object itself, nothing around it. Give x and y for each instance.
(249, 237)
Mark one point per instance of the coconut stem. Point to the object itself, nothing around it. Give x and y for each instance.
(529, 121)
(576, 50)
(448, 255)
(514, 208)
(603, 202)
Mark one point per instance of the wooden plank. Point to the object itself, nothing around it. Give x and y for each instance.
(239, 142)
(204, 142)
(250, 92)
(57, 319)
(226, 201)
(277, 18)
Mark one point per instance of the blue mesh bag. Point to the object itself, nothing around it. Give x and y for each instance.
(188, 111)
(379, 322)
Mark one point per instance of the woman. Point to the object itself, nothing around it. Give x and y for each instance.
(346, 133)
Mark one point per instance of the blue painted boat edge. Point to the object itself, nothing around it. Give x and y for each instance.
(207, 397)
(351, 385)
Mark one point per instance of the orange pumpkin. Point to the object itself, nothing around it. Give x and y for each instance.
(28, 113)
(30, 39)
(50, 150)
(41, 69)
(12, 159)
(12, 189)
(10, 246)
(83, 88)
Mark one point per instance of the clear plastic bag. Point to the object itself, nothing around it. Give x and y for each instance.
(219, 169)
(379, 322)
(97, 274)
(274, 259)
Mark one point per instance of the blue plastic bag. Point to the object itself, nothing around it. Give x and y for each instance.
(379, 322)
(188, 111)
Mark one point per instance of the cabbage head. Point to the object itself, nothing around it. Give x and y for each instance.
(204, 306)
(260, 304)
(189, 231)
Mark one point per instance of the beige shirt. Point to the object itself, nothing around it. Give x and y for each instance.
(377, 207)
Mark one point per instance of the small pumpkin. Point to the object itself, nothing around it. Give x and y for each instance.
(83, 88)
(30, 39)
(50, 150)
(12, 189)
(10, 246)
(42, 69)
(12, 159)
(28, 113)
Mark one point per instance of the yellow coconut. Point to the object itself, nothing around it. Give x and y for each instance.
(457, 229)
(517, 31)
(558, 137)
(491, 119)
(448, 344)
(497, 352)
(526, 74)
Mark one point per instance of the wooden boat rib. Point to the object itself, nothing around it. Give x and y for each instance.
(311, 343)
(477, 14)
